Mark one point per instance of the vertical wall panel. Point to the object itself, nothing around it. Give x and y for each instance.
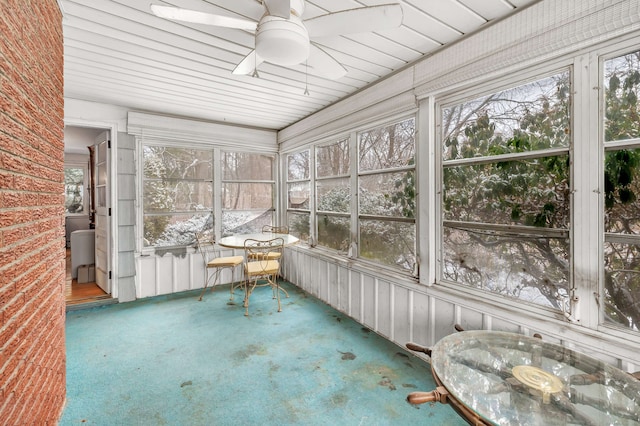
(344, 288)
(368, 301)
(357, 305)
(181, 273)
(470, 319)
(147, 269)
(421, 318)
(384, 314)
(444, 318)
(164, 277)
(401, 314)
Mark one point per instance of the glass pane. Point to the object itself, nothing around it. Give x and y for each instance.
(622, 285)
(389, 194)
(298, 225)
(533, 192)
(533, 269)
(298, 195)
(101, 174)
(622, 186)
(530, 117)
(247, 166)
(173, 230)
(387, 147)
(390, 243)
(298, 166)
(622, 87)
(333, 160)
(176, 196)
(334, 232)
(245, 222)
(246, 196)
(177, 163)
(334, 195)
(73, 189)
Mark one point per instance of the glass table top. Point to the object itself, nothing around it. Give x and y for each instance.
(237, 241)
(509, 379)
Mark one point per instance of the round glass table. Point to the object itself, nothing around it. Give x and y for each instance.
(493, 377)
(237, 241)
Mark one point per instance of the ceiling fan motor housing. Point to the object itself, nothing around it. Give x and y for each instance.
(282, 41)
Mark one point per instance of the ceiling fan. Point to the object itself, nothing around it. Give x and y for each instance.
(282, 37)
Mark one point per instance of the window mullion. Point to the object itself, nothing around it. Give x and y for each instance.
(217, 192)
(355, 169)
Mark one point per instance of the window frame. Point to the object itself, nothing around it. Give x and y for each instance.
(351, 254)
(242, 181)
(611, 52)
(471, 93)
(86, 191)
(142, 213)
(216, 153)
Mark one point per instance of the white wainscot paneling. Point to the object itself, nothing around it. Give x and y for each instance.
(383, 315)
(404, 311)
(176, 272)
(146, 276)
(470, 319)
(164, 274)
(332, 288)
(401, 315)
(419, 321)
(356, 304)
(182, 272)
(343, 294)
(443, 317)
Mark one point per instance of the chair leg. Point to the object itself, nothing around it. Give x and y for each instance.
(214, 275)
(248, 289)
(278, 294)
(233, 286)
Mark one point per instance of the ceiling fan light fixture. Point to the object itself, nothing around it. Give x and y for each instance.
(282, 41)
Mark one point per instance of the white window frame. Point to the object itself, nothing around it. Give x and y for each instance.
(476, 91)
(86, 193)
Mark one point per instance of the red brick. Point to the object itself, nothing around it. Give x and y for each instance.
(31, 213)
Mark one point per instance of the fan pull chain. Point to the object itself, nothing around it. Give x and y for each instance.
(255, 65)
(306, 78)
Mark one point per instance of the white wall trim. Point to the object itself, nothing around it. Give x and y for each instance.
(150, 126)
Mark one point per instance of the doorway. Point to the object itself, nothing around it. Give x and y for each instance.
(87, 208)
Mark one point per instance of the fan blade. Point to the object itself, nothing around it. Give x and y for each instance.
(193, 16)
(280, 8)
(248, 64)
(361, 20)
(324, 64)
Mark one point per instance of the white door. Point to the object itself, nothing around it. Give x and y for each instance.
(103, 211)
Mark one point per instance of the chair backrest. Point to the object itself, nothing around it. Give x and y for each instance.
(275, 229)
(263, 254)
(205, 245)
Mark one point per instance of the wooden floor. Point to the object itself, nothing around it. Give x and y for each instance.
(81, 293)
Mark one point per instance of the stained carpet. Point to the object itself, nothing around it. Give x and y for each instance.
(172, 360)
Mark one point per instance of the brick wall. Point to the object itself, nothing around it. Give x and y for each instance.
(32, 270)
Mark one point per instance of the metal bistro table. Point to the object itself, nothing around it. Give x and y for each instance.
(237, 241)
(492, 377)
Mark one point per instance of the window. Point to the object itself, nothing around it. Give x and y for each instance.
(506, 192)
(298, 184)
(622, 185)
(386, 194)
(333, 195)
(74, 190)
(177, 193)
(385, 207)
(247, 192)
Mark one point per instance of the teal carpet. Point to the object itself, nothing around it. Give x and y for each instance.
(172, 360)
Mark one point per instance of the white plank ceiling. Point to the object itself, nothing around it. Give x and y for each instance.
(117, 52)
